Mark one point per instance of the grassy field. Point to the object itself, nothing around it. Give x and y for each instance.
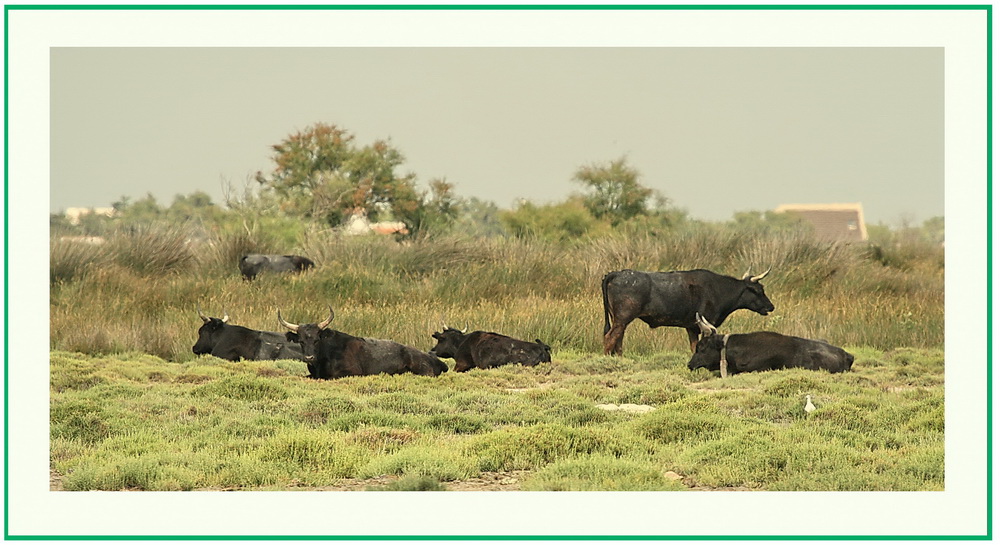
(133, 408)
(136, 421)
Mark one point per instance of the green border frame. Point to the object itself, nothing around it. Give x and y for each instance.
(988, 8)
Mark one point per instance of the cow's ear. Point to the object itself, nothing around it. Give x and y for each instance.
(292, 337)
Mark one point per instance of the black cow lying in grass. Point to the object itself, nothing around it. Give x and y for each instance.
(764, 350)
(253, 264)
(333, 354)
(485, 350)
(233, 342)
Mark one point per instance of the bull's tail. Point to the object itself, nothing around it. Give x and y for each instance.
(604, 293)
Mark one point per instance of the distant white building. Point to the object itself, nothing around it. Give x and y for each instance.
(94, 241)
(73, 213)
(833, 222)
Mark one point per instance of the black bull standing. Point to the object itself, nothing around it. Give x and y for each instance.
(673, 298)
(765, 350)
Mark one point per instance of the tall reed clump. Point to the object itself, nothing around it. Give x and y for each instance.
(70, 260)
(152, 250)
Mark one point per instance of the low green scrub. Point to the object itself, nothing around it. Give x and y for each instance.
(134, 421)
(601, 472)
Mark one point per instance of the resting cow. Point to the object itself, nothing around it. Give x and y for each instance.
(485, 350)
(334, 354)
(253, 264)
(232, 342)
(673, 298)
(763, 351)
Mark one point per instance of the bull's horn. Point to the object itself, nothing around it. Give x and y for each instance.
(324, 323)
(759, 277)
(747, 274)
(444, 324)
(290, 326)
(466, 328)
(705, 327)
(202, 315)
(225, 316)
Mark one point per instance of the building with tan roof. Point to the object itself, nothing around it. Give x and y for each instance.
(843, 222)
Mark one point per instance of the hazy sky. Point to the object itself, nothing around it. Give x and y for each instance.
(716, 130)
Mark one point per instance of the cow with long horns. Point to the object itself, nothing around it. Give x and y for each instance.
(485, 350)
(673, 298)
(764, 350)
(231, 342)
(335, 354)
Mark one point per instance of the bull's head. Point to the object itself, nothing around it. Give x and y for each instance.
(307, 335)
(208, 333)
(753, 296)
(706, 328)
(225, 316)
(708, 351)
(545, 349)
(757, 278)
(448, 341)
(444, 325)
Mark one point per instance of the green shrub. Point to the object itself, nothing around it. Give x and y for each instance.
(320, 410)
(682, 421)
(313, 449)
(602, 473)
(81, 420)
(538, 445)
(243, 387)
(412, 483)
(431, 461)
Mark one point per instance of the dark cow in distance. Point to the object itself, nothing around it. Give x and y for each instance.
(234, 343)
(333, 354)
(765, 350)
(672, 299)
(485, 350)
(253, 264)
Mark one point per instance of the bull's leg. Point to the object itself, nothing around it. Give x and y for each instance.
(693, 337)
(613, 338)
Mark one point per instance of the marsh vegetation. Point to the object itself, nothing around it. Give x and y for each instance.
(133, 408)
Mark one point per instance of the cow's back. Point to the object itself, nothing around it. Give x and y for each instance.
(391, 357)
(493, 349)
(764, 350)
(275, 346)
(659, 298)
(251, 264)
(822, 355)
(236, 343)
